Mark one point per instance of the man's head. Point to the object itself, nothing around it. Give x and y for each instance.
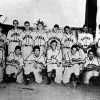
(56, 27)
(90, 54)
(15, 23)
(53, 44)
(85, 29)
(27, 25)
(18, 50)
(36, 51)
(67, 30)
(74, 49)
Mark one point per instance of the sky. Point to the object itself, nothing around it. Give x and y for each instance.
(62, 12)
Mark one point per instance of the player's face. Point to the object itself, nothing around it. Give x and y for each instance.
(17, 51)
(55, 29)
(15, 24)
(27, 26)
(90, 55)
(37, 52)
(40, 26)
(68, 31)
(85, 29)
(73, 51)
(54, 45)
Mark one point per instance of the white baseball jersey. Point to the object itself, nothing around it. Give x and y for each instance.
(40, 37)
(2, 39)
(69, 56)
(27, 38)
(55, 35)
(93, 61)
(12, 56)
(40, 59)
(69, 40)
(85, 39)
(13, 35)
(54, 56)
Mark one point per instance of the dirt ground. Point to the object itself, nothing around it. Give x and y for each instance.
(54, 91)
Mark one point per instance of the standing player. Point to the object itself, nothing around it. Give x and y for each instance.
(56, 34)
(2, 53)
(92, 64)
(69, 39)
(54, 62)
(85, 38)
(72, 62)
(15, 65)
(13, 37)
(27, 42)
(34, 63)
(40, 36)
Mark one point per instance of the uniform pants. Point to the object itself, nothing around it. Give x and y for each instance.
(69, 70)
(90, 74)
(35, 70)
(13, 70)
(58, 70)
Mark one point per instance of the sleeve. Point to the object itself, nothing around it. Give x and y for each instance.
(8, 36)
(86, 63)
(21, 62)
(10, 57)
(59, 57)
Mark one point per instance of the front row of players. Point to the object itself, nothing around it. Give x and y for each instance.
(63, 66)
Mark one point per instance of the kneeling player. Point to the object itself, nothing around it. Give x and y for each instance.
(34, 64)
(15, 65)
(72, 64)
(92, 66)
(54, 60)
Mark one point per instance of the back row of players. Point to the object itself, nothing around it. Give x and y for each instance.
(34, 50)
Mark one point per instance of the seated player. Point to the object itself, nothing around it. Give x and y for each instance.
(54, 62)
(15, 65)
(34, 64)
(72, 63)
(92, 66)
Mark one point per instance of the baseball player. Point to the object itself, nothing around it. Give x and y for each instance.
(54, 62)
(13, 37)
(34, 63)
(15, 65)
(72, 62)
(2, 53)
(55, 34)
(85, 38)
(68, 40)
(92, 66)
(27, 42)
(40, 36)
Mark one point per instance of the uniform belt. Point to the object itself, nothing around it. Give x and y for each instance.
(67, 47)
(27, 45)
(14, 41)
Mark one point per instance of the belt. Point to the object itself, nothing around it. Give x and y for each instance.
(27, 45)
(14, 41)
(67, 47)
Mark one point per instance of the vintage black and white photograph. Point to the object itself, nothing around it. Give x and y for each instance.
(49, 49)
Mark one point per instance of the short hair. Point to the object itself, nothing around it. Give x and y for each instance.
(26, 22)
(66, 27)
(74, 46)
(53, 41)
(15, 21)
(18, 47)
(56, 25)
(36, 47)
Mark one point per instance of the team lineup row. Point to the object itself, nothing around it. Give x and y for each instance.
(32, 51)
